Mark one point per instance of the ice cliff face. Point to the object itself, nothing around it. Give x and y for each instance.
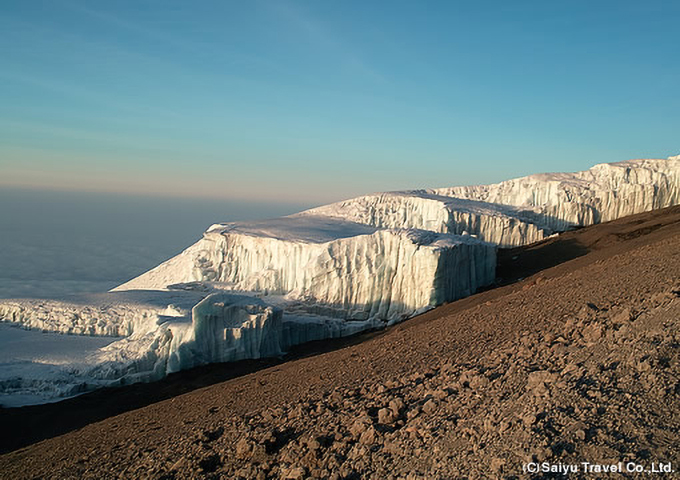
(501, 225)
(523, 210)
(248, 290)
(352, 270)
(219, 328)
(605, 192)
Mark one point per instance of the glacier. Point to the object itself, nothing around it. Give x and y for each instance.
(248, 290)
(605, 192)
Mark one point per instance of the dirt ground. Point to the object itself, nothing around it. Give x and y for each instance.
(574, 358)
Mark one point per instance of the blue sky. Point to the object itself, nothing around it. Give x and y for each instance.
(314, 101)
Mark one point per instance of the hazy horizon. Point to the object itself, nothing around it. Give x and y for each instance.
(58, 243)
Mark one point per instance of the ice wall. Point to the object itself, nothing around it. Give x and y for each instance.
(353, 270)
(228, 327)
(605, 192)
(501, 225)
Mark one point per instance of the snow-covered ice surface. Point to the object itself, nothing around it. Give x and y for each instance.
(254, 289)
(34, 364)
(114, 313)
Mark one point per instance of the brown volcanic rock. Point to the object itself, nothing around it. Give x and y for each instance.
(576, 363)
